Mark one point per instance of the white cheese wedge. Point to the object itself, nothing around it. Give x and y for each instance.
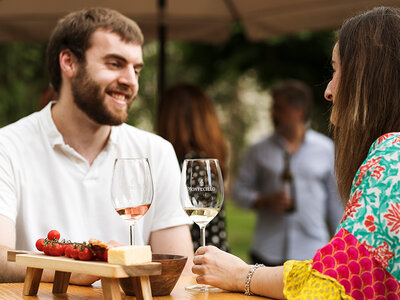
(129, 255)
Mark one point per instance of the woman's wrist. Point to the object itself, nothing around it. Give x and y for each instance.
(249, 277)
(241, 278)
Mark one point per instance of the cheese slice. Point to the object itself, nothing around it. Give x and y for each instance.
(129, 255)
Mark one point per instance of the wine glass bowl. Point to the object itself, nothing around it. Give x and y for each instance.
(203, 185)
(202, 196)
(132, 190)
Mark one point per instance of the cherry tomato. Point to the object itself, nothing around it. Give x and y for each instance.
(56, 249)
(85, 254)
(39, 244)
(99, 253)
(62, 252)
(46, 249)
(53, 234)
(75, 252)
(67, 250)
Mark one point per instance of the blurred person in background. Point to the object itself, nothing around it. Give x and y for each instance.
(187, 119)
(288, 179)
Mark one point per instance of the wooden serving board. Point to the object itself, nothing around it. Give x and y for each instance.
(64, 266)
(96, 268)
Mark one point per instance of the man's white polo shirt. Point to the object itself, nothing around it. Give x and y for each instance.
(45, 184)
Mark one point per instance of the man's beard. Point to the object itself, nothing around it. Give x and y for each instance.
(90, 99)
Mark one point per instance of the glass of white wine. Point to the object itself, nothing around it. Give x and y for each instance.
(202, 195)
(132, 190)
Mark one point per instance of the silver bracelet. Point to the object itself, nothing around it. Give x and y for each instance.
(248, 278)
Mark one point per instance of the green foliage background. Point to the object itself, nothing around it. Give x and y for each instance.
(22, 77)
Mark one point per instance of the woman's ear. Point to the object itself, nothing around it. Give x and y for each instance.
(67, 62)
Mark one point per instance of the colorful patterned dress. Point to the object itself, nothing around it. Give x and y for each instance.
(362, 261)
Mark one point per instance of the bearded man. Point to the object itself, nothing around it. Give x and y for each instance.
(56, 165)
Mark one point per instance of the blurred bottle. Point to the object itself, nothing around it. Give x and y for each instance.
(288, 181)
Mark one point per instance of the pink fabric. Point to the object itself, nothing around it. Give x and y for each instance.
(350, 263)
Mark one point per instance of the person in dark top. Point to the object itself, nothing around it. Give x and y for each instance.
(187, 118)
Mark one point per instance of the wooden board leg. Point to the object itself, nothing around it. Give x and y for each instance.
(111, 290)
(142, 287)
(32, 281)
(61, 281)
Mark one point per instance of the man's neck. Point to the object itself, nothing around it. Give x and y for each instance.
(295, 139)
(80, 132)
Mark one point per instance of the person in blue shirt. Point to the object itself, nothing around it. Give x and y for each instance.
(292, 223)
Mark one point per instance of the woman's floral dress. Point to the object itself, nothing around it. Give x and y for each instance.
(362, 261)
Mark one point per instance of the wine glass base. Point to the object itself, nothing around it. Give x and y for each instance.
(205, 288)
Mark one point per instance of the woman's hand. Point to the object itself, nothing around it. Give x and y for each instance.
(220, 269)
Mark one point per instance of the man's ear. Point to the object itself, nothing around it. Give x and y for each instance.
(68, 63)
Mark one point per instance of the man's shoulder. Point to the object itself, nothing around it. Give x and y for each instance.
(319, 139)
(264, 142)
(22, 129)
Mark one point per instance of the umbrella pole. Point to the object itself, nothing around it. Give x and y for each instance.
(162, 39)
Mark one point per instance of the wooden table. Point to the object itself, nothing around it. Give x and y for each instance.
(11, 291)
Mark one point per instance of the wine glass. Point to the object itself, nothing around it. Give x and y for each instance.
(202, 195)
(132, 190)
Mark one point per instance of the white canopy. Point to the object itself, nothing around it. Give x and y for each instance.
(191, 20)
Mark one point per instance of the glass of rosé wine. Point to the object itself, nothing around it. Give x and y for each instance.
(132, 190)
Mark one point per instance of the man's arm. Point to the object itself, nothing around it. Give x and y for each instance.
(174, 240)
(10, 272)
(335, 206)
(244, 191)
(279, 202)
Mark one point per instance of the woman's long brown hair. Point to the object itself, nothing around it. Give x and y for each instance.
(187, 118)
(367, 104)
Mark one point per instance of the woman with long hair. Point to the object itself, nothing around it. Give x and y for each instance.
(362, 261)
(187, 118)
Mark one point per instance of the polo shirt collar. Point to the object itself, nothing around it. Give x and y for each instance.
(55, 137)
(113, 138)
(50, 129)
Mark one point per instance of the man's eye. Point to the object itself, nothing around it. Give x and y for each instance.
(113, 64)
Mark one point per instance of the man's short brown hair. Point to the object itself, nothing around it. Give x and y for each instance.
(74, 31)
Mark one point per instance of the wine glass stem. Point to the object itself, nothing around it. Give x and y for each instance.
(132, 233)
(203, 235)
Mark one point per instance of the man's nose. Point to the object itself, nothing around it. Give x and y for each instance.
(129, 77)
